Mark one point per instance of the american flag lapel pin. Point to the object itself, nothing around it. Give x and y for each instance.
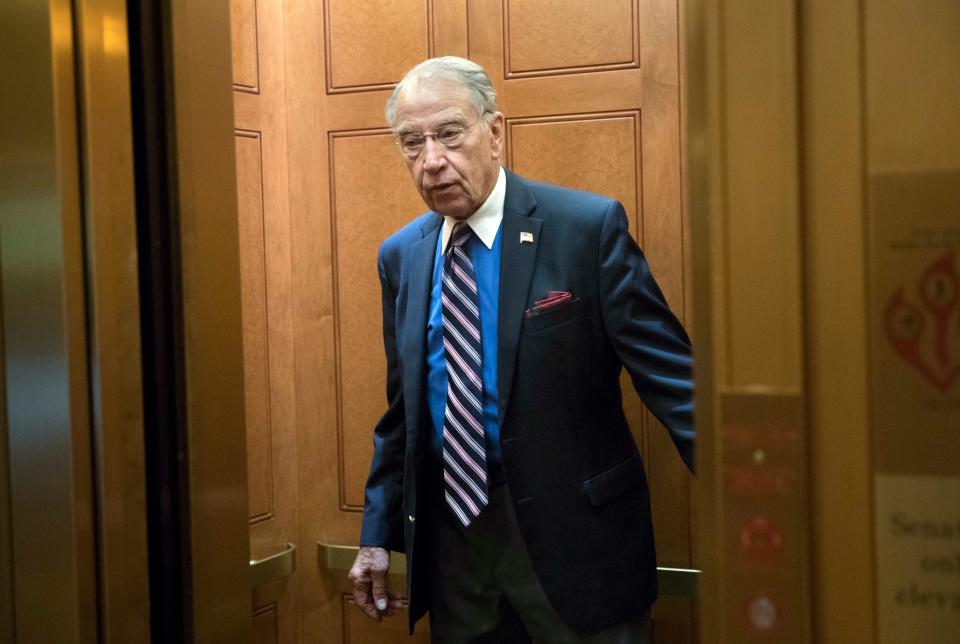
(526, 238)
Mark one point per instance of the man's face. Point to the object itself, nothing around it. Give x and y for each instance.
(452, 182)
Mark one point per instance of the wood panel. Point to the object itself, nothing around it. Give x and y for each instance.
(315, 378)
(256, 345)
(265, 625)
(595, 152)
(243, 45)
(371, 43)
(449, 27)
(267, 299)
(545, 37)
(362, 162)
(323, 118)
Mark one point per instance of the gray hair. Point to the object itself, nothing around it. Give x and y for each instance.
(460, 71)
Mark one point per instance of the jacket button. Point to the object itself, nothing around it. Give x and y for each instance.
(412, 519)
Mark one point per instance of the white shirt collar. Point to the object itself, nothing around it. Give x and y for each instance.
(486, 221)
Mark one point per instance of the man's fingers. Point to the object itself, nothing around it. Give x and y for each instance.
(378, 579)
(362, 596)
(394, 604)
(364, 602)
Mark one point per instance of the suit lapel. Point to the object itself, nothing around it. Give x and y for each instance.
(419, 282)
(517, 260)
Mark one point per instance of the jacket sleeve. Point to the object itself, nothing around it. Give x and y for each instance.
(382, 513)
(647, 337)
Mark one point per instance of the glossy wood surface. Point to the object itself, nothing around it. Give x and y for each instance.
(260, 137)
(545, 37)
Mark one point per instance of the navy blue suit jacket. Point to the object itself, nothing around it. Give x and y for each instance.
(574, 473)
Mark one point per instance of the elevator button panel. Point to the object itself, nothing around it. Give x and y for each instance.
(765, 527)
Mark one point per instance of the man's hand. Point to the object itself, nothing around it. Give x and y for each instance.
(369, 578)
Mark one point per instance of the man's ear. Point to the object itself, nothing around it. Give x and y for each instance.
(497, 132)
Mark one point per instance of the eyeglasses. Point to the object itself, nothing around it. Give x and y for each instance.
(450, 136)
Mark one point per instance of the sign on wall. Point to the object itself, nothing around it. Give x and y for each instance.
(915, 419)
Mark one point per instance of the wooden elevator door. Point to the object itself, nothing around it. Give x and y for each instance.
(591, 93)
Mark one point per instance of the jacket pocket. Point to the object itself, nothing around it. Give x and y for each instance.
(606, 487)
(554, 316)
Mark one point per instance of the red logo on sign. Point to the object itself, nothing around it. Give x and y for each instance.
(924, 331)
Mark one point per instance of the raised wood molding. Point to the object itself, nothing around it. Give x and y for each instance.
(238, 29)
(345, 504)
(511, 72)
(635, 206)
(265, 624)
(333, 88)
(256, 322)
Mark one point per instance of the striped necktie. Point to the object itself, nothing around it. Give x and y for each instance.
(464, 445)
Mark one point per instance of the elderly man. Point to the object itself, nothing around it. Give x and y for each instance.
(504, 466)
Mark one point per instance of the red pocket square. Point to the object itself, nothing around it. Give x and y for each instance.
(553, 299)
